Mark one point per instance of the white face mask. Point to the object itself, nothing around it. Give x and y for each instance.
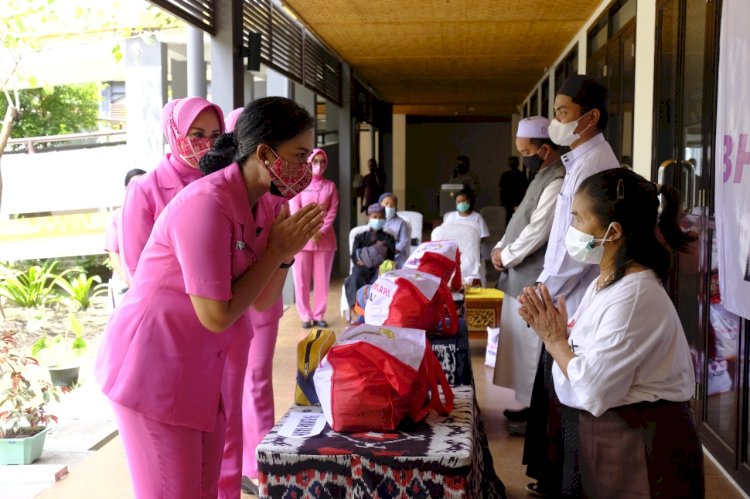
(563, 134)
(582, 247)
(389, 212)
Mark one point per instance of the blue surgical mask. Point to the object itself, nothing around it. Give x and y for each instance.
(462, 207)
(389, 212)
(377, 223)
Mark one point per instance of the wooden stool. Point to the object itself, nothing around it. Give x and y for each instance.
(483, 306)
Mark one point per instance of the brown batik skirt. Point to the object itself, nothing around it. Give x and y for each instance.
(648, 449)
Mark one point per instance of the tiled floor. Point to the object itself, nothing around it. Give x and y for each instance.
(105, 475)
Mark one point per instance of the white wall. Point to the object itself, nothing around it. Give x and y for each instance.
(431, 150)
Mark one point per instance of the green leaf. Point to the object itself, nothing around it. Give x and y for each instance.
(39, 345)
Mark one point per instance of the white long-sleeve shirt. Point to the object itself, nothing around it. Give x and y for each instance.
(630, 347)
(563, 275)
(536, 233)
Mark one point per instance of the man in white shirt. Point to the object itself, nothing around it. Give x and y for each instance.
(580, 117)
(519, 256)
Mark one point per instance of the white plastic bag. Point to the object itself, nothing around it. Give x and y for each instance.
(493, 336)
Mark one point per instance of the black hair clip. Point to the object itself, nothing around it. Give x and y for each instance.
(620, 189)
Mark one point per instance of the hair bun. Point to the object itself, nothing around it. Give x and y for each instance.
(221, 154)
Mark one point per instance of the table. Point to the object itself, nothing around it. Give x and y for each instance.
(443, 456)
(483, 307)
(453, 354)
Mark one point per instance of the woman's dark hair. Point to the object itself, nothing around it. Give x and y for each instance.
(621, 195)
(270, 120)
(133, 173)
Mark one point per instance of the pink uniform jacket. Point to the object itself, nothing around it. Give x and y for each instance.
(323, 192)
(156, 357)
(145, 199)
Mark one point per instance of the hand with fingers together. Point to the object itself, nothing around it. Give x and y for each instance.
(290, 233)
(549, 321)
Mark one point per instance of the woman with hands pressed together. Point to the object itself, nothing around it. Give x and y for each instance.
(217, 249)
(622, 362)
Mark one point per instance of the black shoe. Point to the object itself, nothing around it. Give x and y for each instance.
(517, 428)
(321, 323)
(249, 487)
(521, 415)
(308, 324)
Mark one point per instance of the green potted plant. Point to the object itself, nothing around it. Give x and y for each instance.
(62, 353)
(24, 395)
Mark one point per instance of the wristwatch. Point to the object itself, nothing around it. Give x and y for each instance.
(286, 265)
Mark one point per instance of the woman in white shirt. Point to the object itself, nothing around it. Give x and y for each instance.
(465, 213)
(622, 363)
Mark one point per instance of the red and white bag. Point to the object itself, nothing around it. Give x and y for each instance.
(373, 377)
(411, 298)
(439, 258)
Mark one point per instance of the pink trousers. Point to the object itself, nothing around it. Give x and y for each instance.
(247, 388)
(315, 265)
(169, 461)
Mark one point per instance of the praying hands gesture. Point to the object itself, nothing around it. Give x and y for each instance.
(549, 322)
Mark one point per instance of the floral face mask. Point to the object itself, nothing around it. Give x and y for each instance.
(289, 179)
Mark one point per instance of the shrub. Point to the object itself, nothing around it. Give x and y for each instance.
(23, 399)
(32, 288)
(80, 289)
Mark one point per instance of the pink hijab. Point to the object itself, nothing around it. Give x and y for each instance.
(314, 153)
(176, 118)
(231, 119)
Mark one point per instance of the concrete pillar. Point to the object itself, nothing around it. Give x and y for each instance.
(304, 97)
(643, 120)
(178, 83)
(398, 175)
(227, 68)
(146, 90)
(347, 164)
(278, 85)
(196, 63)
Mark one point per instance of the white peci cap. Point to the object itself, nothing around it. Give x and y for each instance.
(534, 127)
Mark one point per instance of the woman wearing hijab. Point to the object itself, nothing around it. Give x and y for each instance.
(216, 250)
(190, 125)
(316, 258)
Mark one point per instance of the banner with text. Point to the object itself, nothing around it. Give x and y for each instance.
(733, 158)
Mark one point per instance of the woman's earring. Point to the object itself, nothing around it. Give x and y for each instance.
(266, 162)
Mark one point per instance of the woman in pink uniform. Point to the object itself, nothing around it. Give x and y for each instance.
(316, 258)
(247, 387)
(162, 358)
(190, 126)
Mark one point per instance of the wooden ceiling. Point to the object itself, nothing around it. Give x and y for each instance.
(447, 57)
